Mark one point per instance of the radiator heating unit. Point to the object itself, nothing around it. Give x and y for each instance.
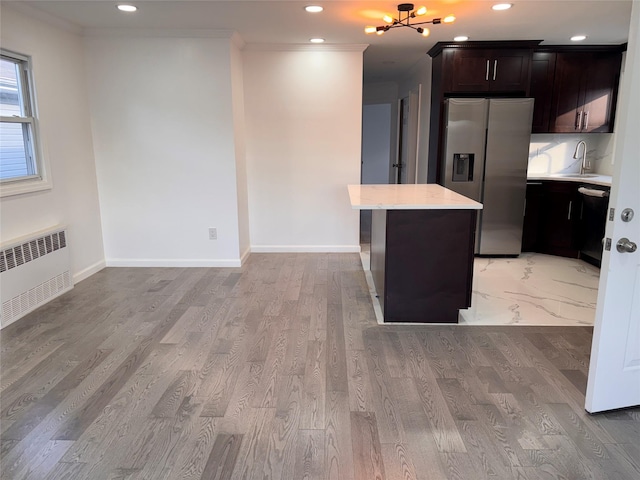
(33, 271)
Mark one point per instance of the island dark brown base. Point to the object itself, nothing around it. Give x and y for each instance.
(422, 263)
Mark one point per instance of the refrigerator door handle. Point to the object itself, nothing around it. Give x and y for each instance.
(495, 69)
(487, 75)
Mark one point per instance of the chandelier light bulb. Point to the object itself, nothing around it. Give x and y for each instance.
(449, 19)
(421, 11)
(369, 29)
(379, 32)
(502, 6)
(387, 19)
(425, 32)
(313, 8)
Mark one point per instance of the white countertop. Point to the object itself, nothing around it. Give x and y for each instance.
(604, 180)
(408, 197)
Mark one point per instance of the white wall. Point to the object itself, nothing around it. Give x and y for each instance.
(303, 116)
(58, 69)
(165, 146)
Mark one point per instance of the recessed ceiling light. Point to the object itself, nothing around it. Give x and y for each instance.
(317, 40)
(313, 8)
(502, 6)
(578, 38)
(127, 8)
(461, 38)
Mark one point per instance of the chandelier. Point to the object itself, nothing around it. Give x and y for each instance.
(406, 12)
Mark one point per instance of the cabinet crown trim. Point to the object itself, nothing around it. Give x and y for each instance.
(618, 48)
(493, 44)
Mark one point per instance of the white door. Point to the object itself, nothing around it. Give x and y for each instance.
(614, 370)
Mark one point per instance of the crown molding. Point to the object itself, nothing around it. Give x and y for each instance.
(161, 33)
(305, 47)
(238, 41)
(43, 16)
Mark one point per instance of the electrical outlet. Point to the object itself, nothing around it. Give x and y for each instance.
(213, 234)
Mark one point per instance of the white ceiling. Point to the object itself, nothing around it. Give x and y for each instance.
(343, 22)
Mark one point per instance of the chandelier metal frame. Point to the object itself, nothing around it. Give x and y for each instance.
(406, 12)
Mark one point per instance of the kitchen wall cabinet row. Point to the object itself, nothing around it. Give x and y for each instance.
(575, 91)
(575, 88)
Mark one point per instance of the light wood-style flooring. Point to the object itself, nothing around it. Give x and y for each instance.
(278, 370)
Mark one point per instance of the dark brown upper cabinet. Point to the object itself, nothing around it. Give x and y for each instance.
(585, 92)
(543, 69)
(499, 70)
(575, 88)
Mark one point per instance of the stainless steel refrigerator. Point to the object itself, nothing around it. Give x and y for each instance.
(486, 153)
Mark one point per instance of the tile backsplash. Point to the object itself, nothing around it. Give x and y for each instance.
(553, 153)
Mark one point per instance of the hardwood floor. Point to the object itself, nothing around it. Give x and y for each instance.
(278, 370)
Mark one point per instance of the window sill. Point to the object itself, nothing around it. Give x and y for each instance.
(28, 186)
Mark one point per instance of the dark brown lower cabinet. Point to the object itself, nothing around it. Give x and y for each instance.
(560, 219)
(422, 263)
(532, 217)
(554, 223)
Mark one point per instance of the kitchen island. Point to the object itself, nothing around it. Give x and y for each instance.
(422, 243)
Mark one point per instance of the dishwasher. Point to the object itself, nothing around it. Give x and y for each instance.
(595, 202)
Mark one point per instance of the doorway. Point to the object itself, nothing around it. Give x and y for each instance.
(376, 155)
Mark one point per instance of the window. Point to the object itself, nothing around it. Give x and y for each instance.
(21, 168)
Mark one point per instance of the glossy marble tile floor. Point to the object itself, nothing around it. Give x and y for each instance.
(533, 289)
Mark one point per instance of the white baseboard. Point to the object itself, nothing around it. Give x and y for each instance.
(87, 272)
(305, 248)
(244, 257)
(178, 262)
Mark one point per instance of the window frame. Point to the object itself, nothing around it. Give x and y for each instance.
(40, 178)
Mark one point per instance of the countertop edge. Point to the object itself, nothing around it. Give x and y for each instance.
(602, 180)
(417, 207)
(409, 197)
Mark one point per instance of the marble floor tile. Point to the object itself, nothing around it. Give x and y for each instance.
(533, 289)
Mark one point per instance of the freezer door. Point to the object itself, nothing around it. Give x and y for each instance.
(464, 146)
(505, 179)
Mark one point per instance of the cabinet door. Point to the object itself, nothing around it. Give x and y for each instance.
(471, 71)
(600, 90)
(543, 68)
(566, 112)
(510, 71)
(532, 217)
(560, 222)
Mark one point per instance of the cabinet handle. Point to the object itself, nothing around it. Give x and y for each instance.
(495, 69)
(570, 205)
(586, 121)
(487, 75)
(579, 120)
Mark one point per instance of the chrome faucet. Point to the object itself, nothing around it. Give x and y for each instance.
(585, 165)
